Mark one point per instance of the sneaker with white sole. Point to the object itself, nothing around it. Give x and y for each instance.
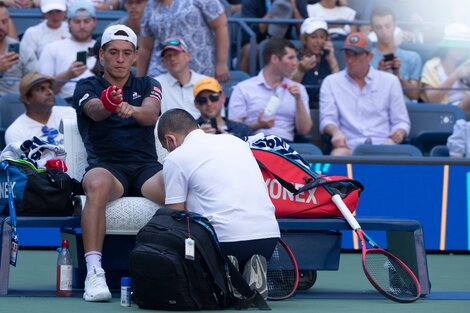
(96, 288)
(235, 292)
(255, 272)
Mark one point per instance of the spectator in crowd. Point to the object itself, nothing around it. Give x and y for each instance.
(459, 142)
(22, 4)
(209, 99)
(100, 5)
(243, 218)
(60, 59)
(116, 114)
(42, 117)
(53, 28)
(179, 81)
(450, 70)
(250, 98)
(235, 5)
(203, 26)
(413, 13)
(135, 9)
(332, 10)
(14, 62)
(317, 58)
(361, 104)
(267, 9)
(387, 56)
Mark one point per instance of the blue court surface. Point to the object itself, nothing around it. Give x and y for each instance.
(346, 290)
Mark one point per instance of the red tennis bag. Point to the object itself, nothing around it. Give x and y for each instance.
(296, 191)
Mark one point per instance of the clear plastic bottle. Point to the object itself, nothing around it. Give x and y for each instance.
(126, 286)
(274, 102)
(64, 271)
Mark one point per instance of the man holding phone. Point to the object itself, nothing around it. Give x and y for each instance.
(66, 60)
(404, 64)
(14, 64)
(209, 99)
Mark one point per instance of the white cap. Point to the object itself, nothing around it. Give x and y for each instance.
(311, 25)
(111, 33)
(49, 5)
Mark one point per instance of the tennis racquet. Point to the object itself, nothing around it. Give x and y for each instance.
(387, 273)
(282, 273)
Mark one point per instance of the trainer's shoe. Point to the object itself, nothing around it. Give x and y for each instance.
(255, 272)
(96, 288)
(235, 292)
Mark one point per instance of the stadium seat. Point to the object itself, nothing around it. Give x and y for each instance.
(235, 78)
(439, 151)
(10, 108)
(306, 150)
(425, 50)
(431, 124)
(388, 150)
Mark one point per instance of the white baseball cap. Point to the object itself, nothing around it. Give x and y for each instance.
(50, 5)
(118, 32)
(311, 25)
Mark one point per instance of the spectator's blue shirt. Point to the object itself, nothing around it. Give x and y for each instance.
(410, 64)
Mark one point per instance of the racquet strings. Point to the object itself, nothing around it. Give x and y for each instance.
(391, 276)
(281, 274)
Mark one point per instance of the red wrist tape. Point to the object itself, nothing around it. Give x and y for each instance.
(110, 103)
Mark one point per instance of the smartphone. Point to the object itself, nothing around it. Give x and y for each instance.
(389, 57)
(213, 123)
(325, 52)
(81, 56)
(14, 47)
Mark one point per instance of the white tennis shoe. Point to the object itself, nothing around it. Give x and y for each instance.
(96, 289)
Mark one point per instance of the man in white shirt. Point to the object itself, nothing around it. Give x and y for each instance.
(179, 81)
(59, 58)
(53, 28)
(42, 118)
(200, 176)
(361, 104)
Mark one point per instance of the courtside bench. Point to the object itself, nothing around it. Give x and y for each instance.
(313, 243)
(316, 244)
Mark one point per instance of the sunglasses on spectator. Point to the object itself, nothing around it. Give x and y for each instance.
(204, 100)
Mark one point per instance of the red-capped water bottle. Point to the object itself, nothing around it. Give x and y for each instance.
(274, 102)
(64, 271)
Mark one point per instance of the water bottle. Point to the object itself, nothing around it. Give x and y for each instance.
(126, 286)
(274, 102)
(64, 271)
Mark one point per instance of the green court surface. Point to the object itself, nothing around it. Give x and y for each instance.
(346, 290)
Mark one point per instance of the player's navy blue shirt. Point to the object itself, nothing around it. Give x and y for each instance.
(115, 139)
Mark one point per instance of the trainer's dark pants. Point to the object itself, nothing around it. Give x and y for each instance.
(243, 250)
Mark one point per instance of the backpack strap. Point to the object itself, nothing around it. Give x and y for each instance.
(252, 297)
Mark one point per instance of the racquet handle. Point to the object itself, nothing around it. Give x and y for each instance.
(345, 211)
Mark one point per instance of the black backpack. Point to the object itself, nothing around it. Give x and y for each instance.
(164, 279)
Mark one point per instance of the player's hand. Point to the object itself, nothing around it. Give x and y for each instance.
(125, 110)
